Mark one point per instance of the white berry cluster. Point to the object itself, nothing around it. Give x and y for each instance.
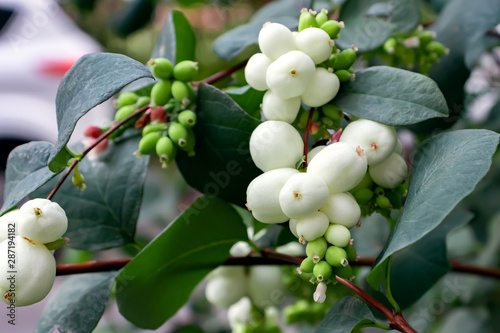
(288, 69)
(27, 266)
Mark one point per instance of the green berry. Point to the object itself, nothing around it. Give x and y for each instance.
(190, 142)
(124, 112)
(330, 62)
(352, 255)
(336, 256)
(127, 98)
(344, 272)
(178, 133)
(425, 37)
(362, 195)
(306, 276)
(437, 48)
(306, 266)
(379, 191)
(332, 28)
(390, 45)
(322, 271)
(344, 75)
(305, 115)
(322, 17)
(316, 249)
(147, 145)
(150, 128)
(166, 150)
(332, 111)
(366, 182)
(345, 59)
(162, 68)
(186, 70)
(337, 235)
(187, 118)
(180, 90)
(307, 20)
(383, 202)
(160, 94)
(296, 312)
(143, 101)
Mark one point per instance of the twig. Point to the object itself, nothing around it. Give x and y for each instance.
(222, 74)
(92, 146)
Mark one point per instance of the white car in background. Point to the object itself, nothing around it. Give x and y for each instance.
(38, 43)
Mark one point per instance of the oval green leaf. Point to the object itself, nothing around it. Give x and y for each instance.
(347, 314)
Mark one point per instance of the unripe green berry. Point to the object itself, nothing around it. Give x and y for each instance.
(180, 90)
(305, 115)
(362, 195)
(166, 151)
(143, 101)
(186, 70)
(336, 256)
(316, 249)
(306, 276)
(322, 271)
(379, 191)
(293, 313)
(383, 202)
(352, 255)
(332, 111)
(425, 37)
(306, 266)
(344, 272)
(345, 59)
(150, 128)
(187, 118)
(322, 17)
(332, 28)
(366, 182)
(161, 92)
(344, 75)
(338, 235)
(178, 133)
(162, 68)
(188, 146)
(127, 98)
(307, 20)
(147, 145)
(390, 45)
(437, 47)
(124, 112)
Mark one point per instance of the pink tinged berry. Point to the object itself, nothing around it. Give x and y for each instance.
(92, 132)
(336, 136)
(319, 295)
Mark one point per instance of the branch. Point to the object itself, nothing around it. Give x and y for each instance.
(222, 74)
(92, 146)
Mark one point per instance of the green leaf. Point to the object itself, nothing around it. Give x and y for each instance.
(132, 16)
(248, 99)
(369, 23)
(163, 275)
(26, 171)
(77, 304)
(427, 255)
(104, 215)
(232, 43)
(392, 96)
(222, 165)
(93, 79)
(346, 315)
(177, 41)
(447, 168)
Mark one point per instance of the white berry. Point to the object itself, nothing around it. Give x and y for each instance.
(389, 173)
(275, 144)
(312, 226)
(255, 71)
(314, 152)
(302, 195)
(323, 87)
(275, 40)
(376, 139)
(338, 235)
(263, 195)
(290, 74)
(239, 313)
(42, 220)
(315, 43)
(226, 285)
(342, 208)
(277, 108)
(264, 282)
(341, 166)
(8, 221)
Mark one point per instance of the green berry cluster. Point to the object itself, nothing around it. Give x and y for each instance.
(324, 118)
(407, 49)
(303, 310)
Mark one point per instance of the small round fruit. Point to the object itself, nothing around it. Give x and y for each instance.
(277, 108)
(275, 144)
(290, 74)
(342, 208)
(166, 151)
(275, 40)
(315, 43)
(398, 149)
(42, 220)
(352, 254)
(162, 68)
(239, 314)
(345, 59)
(383, 202)
(187, 118)
(188, 144)
(226, 287)
(161, 92)
(366, 182)
(376, 139)
(263, 195)
(178, 133)
(312, 226)
(314, 152)
(344, 272)
(302, 195)
(322, 17)
(186, 70)
(147, 145)
(127, 98)
(180, 90)
(316, 249)
(255, 71)
(322, 271)
(332, 111)
(332, 28)
(306, 266)
(341, 166)
(336, 256)
(7, 221)
(263, 283)
(323, 87)
(124, 112)
(143, 101)
(362, 195)
(150, 128)
(307, 19)
(344, 75)
(389, 173)
(338, 235)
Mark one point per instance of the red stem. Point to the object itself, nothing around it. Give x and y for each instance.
(306, 135)
(222, 74)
